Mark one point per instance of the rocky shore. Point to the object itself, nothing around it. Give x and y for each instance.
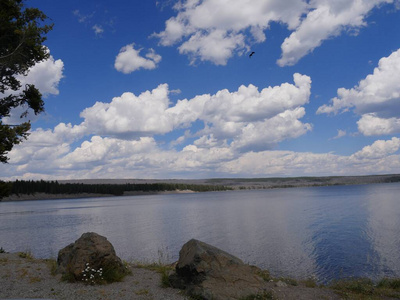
(90, 269)
(32, 278)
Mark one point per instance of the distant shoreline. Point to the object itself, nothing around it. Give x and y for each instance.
(44, 196)
(231, 183)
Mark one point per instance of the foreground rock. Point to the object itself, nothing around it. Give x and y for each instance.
(91, 257)
(207, 272)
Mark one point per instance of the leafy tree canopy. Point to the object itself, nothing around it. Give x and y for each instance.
(22, 33)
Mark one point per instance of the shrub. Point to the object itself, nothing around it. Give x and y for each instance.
(363, 286)
(388, 283)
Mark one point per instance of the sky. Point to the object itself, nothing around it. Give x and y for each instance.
(168, 89)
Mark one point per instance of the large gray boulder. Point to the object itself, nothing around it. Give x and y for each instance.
(90, 254)
(207, 272)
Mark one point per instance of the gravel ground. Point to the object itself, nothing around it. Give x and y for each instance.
(24, 278)
(31, 278)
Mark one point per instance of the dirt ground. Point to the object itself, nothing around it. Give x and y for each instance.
(32, 278)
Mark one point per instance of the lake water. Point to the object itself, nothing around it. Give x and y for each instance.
(325, 232)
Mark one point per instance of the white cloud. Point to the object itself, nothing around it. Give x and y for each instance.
(82, 18)
(379, 149)
(246, 117)
(326, 19)
(114, 158)
(98, 29)
(266, 134)
(340, 134)
(376, 98)
(45, 75)
(370, 124)
(129, 60)
(234, 122)
(215, 46)
(214, 30)
(378, 158)
(130, 115)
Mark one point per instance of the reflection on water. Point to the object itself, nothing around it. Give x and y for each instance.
(327, 232)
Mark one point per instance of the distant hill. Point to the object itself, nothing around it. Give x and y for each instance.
(255, 183)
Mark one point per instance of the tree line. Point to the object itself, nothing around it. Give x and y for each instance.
(29, 187)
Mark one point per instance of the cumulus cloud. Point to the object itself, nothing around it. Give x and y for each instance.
(375, 98)
(370, 124)
(289, 163)
(45, 75)
(326, 19)
(101, 157)
(379, 149)
(120, 134)
(131, 115)
(247, 117)
(212, 30)
(129, 60)
(216, 46)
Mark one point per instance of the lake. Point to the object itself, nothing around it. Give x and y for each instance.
(324, 232)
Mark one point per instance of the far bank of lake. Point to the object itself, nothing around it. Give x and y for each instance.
(91, 188)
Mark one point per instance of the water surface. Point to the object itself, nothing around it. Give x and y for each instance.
(326, 232)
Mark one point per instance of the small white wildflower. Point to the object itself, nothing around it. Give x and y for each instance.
(84, 274)
(87, 264)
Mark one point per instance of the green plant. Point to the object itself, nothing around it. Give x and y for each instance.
(263, 296)
(310, 282)
(142, 292)
(113, 274)
(389, 283)
(287, 280)
(92, 276)
(2, 250)
(68, 277)
(27, 254)
(264, 274)
(165, 278)
(363, 286)
(52, 264)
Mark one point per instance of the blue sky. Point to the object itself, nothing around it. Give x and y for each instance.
(166, 89)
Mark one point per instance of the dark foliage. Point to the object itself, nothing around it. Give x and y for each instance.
(22, 34)
(54, 187)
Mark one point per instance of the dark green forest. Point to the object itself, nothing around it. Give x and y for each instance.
(22, 187)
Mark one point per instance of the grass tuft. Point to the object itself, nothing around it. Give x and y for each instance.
(52, 264)
(362, 286)
(388, 283)
(264, 274)
(310, 283)
(263, 296)
(27, 254)
(287, 280)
